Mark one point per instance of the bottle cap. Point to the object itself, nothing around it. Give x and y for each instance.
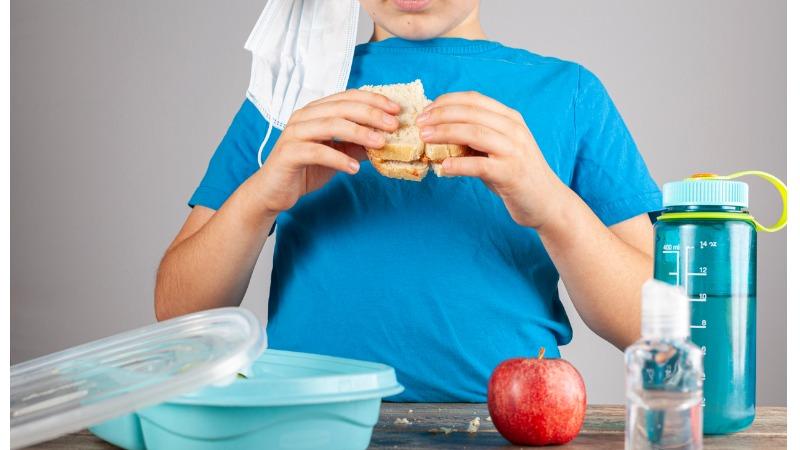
(665, 311)
(708, 189)
(705, 190)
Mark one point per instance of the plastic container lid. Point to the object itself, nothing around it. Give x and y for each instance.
(281, 378)
(705, 191)
(83, 386)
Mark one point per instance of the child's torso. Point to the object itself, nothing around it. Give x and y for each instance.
(381, 269)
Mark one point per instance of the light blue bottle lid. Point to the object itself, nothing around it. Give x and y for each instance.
(703, 190)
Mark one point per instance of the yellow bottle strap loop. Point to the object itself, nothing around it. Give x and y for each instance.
(782, 190)
(711, 215)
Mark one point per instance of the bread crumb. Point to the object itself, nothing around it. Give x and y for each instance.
(410, 411)
(474, 424)
(444, 430)
(402, 421)
(489, 419)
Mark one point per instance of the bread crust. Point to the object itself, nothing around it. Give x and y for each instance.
(412, 171)
(434, 154)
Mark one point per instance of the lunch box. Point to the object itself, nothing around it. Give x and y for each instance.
(202, 381)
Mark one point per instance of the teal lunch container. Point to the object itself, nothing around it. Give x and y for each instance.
(177, 385)
(705, 241)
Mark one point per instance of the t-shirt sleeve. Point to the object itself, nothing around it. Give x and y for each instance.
(235, 158)
(610, 174)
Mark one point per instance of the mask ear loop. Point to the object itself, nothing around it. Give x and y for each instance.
(264, 143)
(266, 136)
(782, 190)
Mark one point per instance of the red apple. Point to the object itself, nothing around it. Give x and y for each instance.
(537, 401)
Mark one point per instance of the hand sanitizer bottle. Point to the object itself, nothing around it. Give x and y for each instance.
(664, 376)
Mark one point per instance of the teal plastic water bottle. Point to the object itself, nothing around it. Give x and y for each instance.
(705, 241)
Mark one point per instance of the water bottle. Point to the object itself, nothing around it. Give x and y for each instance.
(664, 376)
(705, 242)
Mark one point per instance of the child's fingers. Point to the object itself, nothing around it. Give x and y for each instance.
(304, 154)
(371, 98)
(479, 137)
(470, 166)
(359, 112)
(353, 150)
(459, 113)
(476, 99)
(334, 128)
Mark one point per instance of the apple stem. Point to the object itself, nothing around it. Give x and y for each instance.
(541, 353)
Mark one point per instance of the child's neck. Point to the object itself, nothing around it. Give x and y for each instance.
(470, 28)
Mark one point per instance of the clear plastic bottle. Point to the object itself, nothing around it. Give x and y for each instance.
(664, 376)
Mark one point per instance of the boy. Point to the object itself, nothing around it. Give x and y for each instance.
(445, 278)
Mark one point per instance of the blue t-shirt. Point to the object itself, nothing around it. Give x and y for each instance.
(435, 278)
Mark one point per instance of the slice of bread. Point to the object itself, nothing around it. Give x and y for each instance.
(440, 152)
(404, 145)
(412, 171)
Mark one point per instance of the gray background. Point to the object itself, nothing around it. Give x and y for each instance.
(116, 107)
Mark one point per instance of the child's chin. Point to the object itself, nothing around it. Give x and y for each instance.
(417, 36)
(417, 29)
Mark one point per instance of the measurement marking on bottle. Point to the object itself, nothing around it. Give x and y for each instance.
(677, 254)
(703, 273)
(701, 298)
(686, 271)
(704, 244)
(703, 325)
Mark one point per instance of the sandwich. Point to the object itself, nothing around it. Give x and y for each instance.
(404, 155)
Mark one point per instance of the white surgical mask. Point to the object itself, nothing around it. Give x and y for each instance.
(302, 51)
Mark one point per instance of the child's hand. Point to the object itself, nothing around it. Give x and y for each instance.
(305, 158)
(514, 167)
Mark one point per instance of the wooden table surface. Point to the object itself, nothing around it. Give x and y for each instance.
(444, 425)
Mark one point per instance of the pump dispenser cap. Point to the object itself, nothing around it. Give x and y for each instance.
(665, 311)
